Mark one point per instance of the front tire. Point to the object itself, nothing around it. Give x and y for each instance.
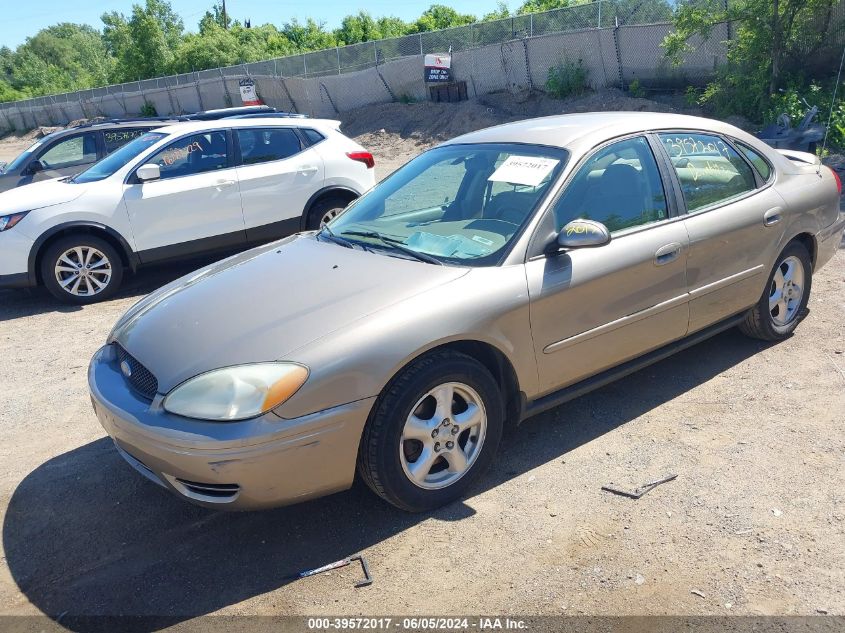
(325, 211)
(81, 269)
(784, 301)
(433, 431)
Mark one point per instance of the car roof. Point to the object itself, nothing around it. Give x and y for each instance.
(105, 125)
(223, 124)
(586, 130)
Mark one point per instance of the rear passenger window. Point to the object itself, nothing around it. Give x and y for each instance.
(709, 170)
(71, 152)
(267, 144)
(760, 163)
(313, 136)
(619, 186)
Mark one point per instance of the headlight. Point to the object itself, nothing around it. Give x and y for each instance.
(236, 393)
(8, 221)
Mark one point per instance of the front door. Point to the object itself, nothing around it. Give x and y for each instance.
(593, 308)
(195, 206)
(733, 220)
(277, 178)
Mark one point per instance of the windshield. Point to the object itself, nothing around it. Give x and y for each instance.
(24, 156)
(113, 162)
(460, 204)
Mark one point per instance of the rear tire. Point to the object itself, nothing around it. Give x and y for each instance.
(324, 211)
(784, 301)
(81, 269)
(432, 432)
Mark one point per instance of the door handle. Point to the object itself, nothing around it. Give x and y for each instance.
(772, 216)
(224, 183)
(668, 253)
(308, 169)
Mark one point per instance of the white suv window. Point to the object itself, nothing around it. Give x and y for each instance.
(263, 145)
(193, 154)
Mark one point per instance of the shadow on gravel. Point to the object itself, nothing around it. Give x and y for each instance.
(85, 535)
(15, 304)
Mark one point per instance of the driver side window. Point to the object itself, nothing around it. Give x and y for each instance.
(194, 154)
(619, 186)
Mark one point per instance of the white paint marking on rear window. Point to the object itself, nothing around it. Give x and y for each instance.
(524, 170)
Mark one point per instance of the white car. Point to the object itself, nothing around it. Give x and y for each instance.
(178, 191)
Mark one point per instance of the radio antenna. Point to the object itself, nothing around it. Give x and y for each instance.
(832, 103)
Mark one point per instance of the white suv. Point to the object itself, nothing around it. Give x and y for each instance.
(178, 191)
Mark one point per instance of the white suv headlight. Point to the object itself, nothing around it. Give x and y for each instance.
(236, 393)
(8, 221)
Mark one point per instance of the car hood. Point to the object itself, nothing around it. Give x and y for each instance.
(38, 195)
(265, 303)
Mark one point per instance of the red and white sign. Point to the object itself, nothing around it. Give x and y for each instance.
(438, 67)
(248, 94)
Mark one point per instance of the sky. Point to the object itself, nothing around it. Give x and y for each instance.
(18, 21)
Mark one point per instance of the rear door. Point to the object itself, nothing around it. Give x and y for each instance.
(278, 176)
(195, 206)
(592, 308)
(734, 220)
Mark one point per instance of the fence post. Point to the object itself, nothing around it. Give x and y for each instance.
(304, 66)
(599, 26)
(618, 54)
(531, 25)
(337, 48)
(421, 48)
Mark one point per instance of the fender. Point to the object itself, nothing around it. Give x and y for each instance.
(320, 193)
(131, 256)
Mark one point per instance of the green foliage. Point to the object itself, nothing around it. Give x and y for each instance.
(499, 13)
(148, 109)
(636, 89)
(775, 43)
(692, 96)
(440, 16)
(567, 79)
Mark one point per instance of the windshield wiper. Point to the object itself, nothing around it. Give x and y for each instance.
(392, 242)
(329, 235)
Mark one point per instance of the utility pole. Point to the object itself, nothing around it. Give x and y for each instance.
(225, 19)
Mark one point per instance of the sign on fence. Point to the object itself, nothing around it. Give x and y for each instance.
(438, 68)
(248, 94)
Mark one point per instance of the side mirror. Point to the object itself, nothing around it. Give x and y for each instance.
(148, 172)
(35, 167)
(583, 234)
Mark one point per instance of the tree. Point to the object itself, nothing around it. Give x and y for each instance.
(145, 44)
(439, 16)
(773, 38)
(499, 13)
(309, 36)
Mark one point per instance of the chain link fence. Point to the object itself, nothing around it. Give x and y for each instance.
(614, 43)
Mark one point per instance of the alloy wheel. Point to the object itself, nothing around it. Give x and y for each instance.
(83, 271)
(443, 436)
(786, 291)
(328, 216)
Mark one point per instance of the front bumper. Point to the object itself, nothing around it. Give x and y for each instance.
(14, 259)
(259, 463)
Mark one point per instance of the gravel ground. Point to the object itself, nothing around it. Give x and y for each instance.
(754, 523)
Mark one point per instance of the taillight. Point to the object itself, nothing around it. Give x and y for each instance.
(363, 157)
(837, 179)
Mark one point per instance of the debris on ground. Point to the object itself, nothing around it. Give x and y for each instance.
(638, 492)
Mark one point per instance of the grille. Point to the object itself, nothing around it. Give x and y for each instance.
(140, 378)
(216, 491)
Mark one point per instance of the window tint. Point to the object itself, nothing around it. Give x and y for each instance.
(708, 169)
(313, 136)
(264, 145)
(77, 150)
(619, 186)
(763, 167)
(193, 155)
(116, 139)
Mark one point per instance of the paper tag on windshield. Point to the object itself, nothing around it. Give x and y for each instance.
(524, 170)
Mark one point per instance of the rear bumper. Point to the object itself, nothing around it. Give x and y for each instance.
(259, 463)
(828, 240)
